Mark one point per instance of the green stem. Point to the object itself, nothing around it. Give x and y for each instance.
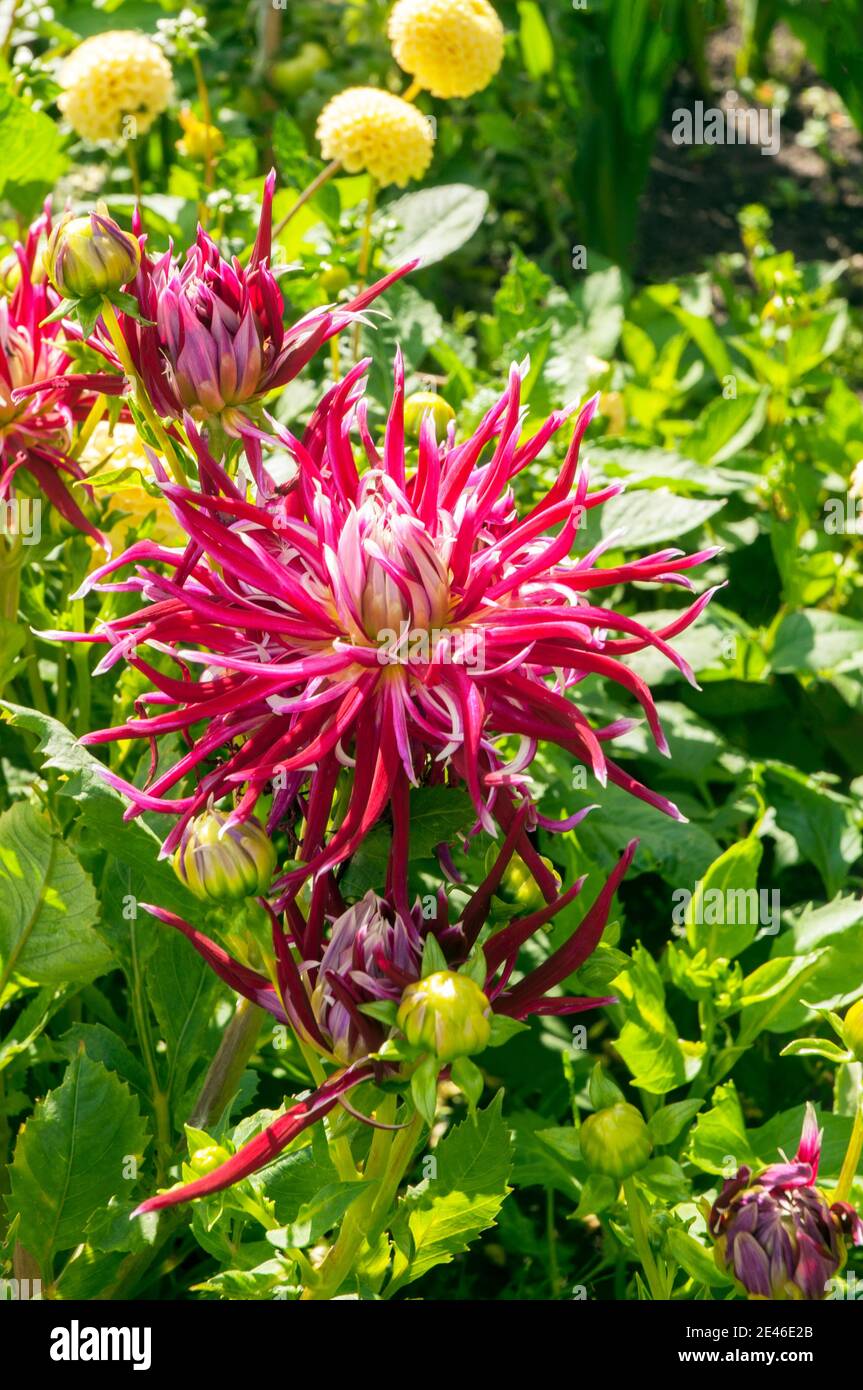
(389, 1156)
(851, 1161)
(11, 562)
(365, 254)
(120, 346)
(638, 1224)
(207, 117)
(223, 1076)
(308, 192)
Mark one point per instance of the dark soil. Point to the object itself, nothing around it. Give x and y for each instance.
(815, 195)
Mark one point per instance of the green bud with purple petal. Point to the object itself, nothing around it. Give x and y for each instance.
(225, 860)
(91, 255)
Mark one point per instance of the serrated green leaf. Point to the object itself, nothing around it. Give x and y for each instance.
(72, 1156)
(48, 907)
(440, 1219)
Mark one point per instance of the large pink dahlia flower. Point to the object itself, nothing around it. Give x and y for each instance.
(373, 626)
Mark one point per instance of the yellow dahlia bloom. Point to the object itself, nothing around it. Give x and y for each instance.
(366, 129)
(452, 48)
(111, 77)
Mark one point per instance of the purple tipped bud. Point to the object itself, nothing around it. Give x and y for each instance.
(91, 255)
(776, 1234)
(447, 1014)
(224, 861)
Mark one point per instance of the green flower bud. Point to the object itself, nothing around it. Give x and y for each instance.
(445, 1013)
(518, 889)
(208, 1158)
(222, 861)
(615, 1141)
(91, 255)
(422, 403)
(852, 1030)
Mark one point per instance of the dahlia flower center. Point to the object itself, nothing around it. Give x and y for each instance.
(405, 586)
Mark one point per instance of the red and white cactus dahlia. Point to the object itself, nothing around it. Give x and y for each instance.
(294, 604)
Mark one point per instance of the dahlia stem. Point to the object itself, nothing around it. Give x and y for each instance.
(207, 113)
(851, 1161)
(388, 1158)
(109, 318)
(11, 562)
(135, 171)
(365, 254)
(223, 1075)
(94, 415)
(308, 192)
(412, 92)
(638, 1225)
(340, 1149)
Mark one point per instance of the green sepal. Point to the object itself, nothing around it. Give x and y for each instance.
(469, 1079)
(424, 1088)
(433, 957)
(384, 1010)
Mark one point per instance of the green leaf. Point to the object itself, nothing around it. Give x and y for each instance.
(537, 46)
(648, 1042)
(724, 914)
(433, 957)
(48, 907)
(318, 1215)
(102, 808)
(817, 643)
(503, 1028)
(434, 222)
(469, 1079)
(719, 1143)
(445, 1213)
(823, 823)
(33, 156)
(424, 1088)
(657, 516)
(182, 990)
(817, 1047)
(669, 1121)
(698, 1262)
(71, 1157)
(725, 427)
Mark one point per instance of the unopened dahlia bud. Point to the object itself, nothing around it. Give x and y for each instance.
(225, 861)
(452, 48)
(91, 255)
(852, 1030)
(518, 890)
(423, 403)
(447, 1014)
(615, 1141)
(776, 1233)
(371, 131)
(115, 85)
(207, 1159)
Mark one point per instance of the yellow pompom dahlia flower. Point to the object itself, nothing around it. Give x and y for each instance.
(452, 48)
(111, 77)
(367, 129)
